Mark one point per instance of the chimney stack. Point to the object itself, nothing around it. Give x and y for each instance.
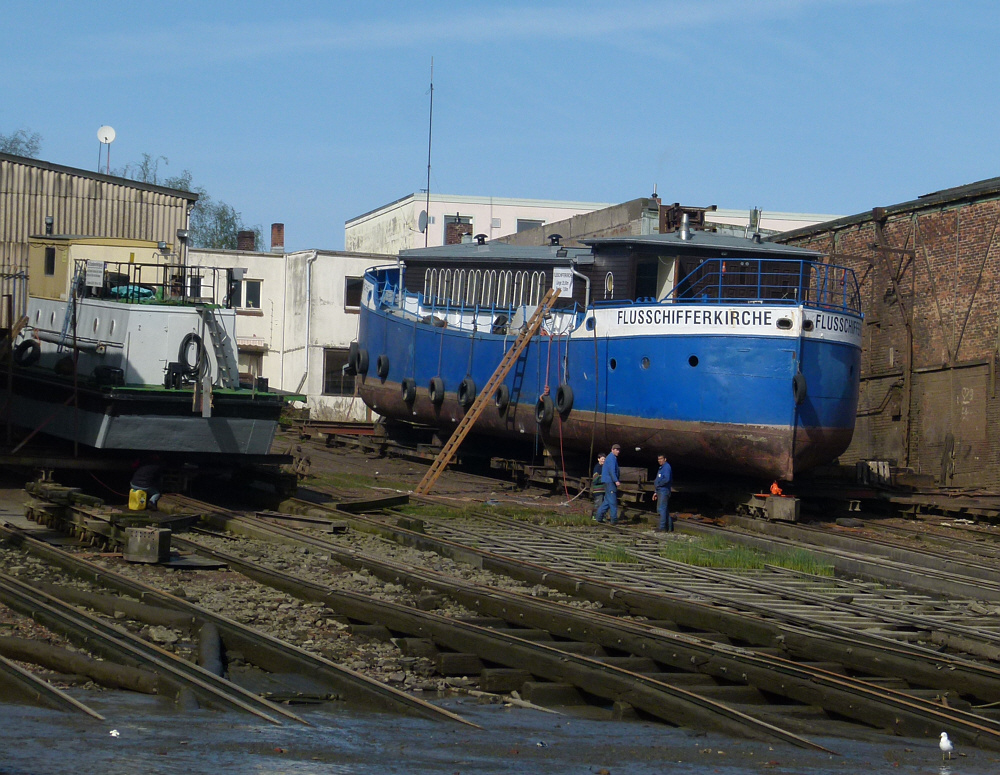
(246, 240)
(277, 238)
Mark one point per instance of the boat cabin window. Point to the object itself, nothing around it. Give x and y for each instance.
(352, 293)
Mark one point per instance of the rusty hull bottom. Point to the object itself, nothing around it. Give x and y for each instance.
(772, 452)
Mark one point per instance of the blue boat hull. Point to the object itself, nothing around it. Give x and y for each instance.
(727, 400)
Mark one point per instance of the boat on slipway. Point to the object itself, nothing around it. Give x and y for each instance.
(727, 353)
(135, 357)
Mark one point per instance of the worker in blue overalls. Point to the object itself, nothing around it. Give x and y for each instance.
(661, 494)
(610, 475)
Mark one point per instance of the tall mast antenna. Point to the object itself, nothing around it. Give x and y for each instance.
(430, 127)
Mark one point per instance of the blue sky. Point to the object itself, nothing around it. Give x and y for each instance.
(310, 113)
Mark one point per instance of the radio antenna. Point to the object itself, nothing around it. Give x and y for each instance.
(430, 128)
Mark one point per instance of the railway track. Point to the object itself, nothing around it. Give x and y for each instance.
(326, 679)
(771, 654)
(913, 709)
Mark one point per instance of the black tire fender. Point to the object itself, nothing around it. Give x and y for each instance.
(436, 391)
(352, 359)
(382, 366)
(502, 399)
(362, 364)
(544, 410)
(799, 387)
(467, 392)
(564, 399)
(408, 390)
(27, 352)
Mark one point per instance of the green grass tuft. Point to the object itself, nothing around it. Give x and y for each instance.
(616, 553)
(714, 552)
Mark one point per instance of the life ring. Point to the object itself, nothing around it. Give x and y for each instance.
(544, 410)
(436, 391)
(502, 399)
(382, 366)
(467, 392)
(408, 390)
(799, 387)
(27, 353)
(189, 369)
(352, 359)
(564, 399)
(362, 361)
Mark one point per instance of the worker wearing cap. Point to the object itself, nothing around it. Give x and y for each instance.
(661, 493)
(610, 475)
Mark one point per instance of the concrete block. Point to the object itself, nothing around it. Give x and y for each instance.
(782, 509)
(147, 544)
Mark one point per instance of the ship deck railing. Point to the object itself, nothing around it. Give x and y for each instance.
(154, 283)
(772, 281)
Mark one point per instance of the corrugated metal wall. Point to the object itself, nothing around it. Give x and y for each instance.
(81, 204)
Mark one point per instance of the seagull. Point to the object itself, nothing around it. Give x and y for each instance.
(945, 746)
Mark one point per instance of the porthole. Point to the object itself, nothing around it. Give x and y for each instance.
(613, 364)
(97, 322)
(644, 363)
(52, 319)
(38, 315)
(807, 325)
(784, 323)
(590, 324)
(693, 360)
(111, 327)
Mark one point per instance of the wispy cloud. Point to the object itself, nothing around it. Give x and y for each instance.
(188, 44)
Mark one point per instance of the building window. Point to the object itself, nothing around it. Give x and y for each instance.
(352, 293)
(246, 294)
(523, 224)
(50, 262)
(335, 382)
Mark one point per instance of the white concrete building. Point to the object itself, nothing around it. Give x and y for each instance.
(398, 225)
(296, 315)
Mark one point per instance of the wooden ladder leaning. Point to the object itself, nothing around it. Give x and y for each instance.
(486, 394)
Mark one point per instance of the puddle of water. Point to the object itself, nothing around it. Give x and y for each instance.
(151, 737)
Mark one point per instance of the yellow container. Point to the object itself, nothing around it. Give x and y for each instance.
(137, 500)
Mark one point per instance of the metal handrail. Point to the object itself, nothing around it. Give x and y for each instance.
(778, 281)
(138, 283)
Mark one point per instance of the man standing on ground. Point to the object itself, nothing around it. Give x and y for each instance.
(597, 483)
(610, 475)
(661, 494)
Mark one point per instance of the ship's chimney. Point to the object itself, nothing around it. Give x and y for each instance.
(277, 238)
(246, 240)
(685, 227)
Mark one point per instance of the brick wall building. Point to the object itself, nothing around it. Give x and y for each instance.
(929, 272)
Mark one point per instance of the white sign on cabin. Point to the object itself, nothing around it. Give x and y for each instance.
(95, 274)
(562, 279)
